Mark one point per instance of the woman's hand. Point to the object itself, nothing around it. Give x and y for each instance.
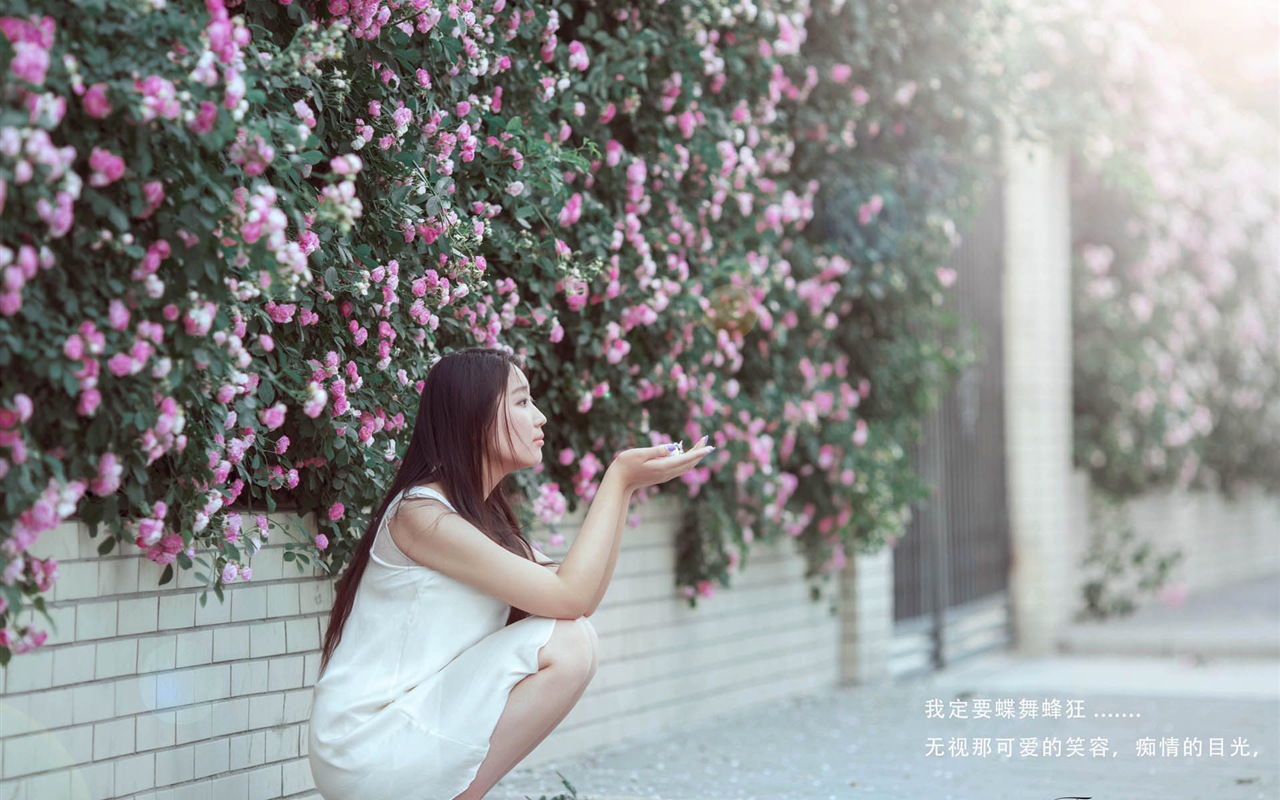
(648, 466)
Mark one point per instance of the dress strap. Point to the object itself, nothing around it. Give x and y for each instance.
(431, 492)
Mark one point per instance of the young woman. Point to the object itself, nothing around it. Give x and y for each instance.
(454, 648)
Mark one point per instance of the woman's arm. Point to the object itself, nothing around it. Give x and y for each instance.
(701, 448)
(594, 551)
(613, 559)
(427, 532)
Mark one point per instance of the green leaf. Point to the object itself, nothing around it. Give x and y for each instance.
(167, 575)
(108, 544)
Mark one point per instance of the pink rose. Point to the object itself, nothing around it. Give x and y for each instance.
(30, 62)
(107, 480)
(687, 122)
(336, 511)
(118, 314)
(572, 210)
(578, 58)
(281, 313)
(23, 405)
(95, 101)
(153, 194)
(90, 399)
(120, 365)
(107, 167)
(208, 115)
(149, 532)
(272, 417)
(860, 433)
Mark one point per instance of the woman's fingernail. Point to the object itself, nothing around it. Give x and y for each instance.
(671, 448)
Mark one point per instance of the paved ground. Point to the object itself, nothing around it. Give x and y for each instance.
(874, 741)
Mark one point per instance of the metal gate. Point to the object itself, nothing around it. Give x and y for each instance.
(951, 569)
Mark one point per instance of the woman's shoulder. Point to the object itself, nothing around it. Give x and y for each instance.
(428, 490)
(418, 508)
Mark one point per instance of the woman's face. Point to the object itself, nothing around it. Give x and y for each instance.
(519, 429)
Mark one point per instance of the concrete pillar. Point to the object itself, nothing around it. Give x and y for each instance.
(1037, 346)
(866, 617)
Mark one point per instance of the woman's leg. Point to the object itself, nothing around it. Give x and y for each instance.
(566, 664)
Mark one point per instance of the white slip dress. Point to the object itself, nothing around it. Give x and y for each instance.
(413, 691)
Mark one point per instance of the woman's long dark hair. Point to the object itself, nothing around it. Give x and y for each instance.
(457, 418)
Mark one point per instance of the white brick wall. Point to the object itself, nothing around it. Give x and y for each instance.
(143, 693)
(1222, 541)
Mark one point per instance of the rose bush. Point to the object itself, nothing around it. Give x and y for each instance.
(725, 218)
(721, 218)
(1177, 276)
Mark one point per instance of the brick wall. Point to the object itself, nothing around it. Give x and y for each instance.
(1223, 541)
(143, 693)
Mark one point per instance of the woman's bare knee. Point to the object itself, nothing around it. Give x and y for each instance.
(571, 648)
(595, 644)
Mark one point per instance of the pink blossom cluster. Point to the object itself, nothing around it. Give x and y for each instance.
(19, 269)
(338, 202)
(252, 154)
(127, 334)
(38, 162)
(262, 220)
(662, 211)
(550, 505)
(31, 42)
(55, 503)
(233, 572)
(1211, 214)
